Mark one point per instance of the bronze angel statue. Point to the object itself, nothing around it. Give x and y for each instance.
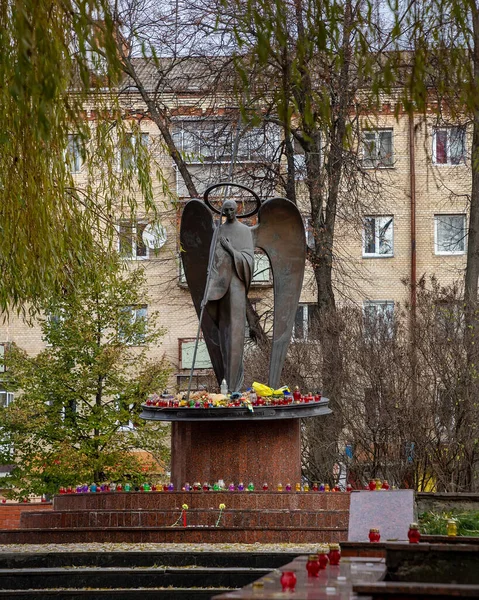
(218, 261)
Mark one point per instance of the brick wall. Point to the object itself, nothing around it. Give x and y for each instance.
(10, 513)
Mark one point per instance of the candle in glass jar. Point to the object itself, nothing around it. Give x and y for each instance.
(334, 554)
(451, 528)
(312, 566)
(323, 556)
(413, 534)
(288, 580)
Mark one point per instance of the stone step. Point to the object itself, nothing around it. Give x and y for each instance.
(150, 558)
(117, 593)
(194, 535)
(393, 590)
(265, 518)
(202, 500)
(132, 575)
(113, 577)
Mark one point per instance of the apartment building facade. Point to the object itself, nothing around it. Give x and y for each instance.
(416, 224)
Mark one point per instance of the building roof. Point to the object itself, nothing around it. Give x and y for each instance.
(182, 74)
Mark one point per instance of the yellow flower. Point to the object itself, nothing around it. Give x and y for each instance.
(222, 506)
(185, 507)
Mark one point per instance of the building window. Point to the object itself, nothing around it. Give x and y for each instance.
(378, 318)
(309, 233)
(305, 322)
(129, 152)
(130, 242)
(69, 411)
(378, 148)
(133, 323)
(6, 398)
(378, 236)
(262, 269)
(210, 140)
(181, 272)
(4, 347)
(449, 319)
(449, 146)
(125, 410)
(261, 272)
(74, 153)
(450, 234)
(187, 348)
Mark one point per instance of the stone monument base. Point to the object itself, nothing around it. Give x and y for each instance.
(156, 517)
(258, 452)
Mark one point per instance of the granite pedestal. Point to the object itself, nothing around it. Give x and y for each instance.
(262, 451)
(236, 444)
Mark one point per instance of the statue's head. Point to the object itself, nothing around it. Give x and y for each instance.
(229, 209)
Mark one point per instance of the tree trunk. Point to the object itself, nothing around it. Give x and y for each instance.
(471, 393)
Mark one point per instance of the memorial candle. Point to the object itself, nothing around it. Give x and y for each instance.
(323, 556)
(451, 528)
(334, 554)
(312, 566)
(413, 534)
(288, 580)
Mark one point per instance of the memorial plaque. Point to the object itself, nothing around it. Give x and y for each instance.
(391, 511)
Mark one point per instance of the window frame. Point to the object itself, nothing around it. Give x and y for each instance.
(309, 232)
(306, 323)
(140, 339)
(218, 126)
(254, 282)
(448, 130)
(134, 137)
(134, 225)
(9, 397)
(438, 252)
(377, 238)
(74, 153)
(389, 305)
(380, 162)
(124, 427)
(69, 411)
(187, 367)
(4, 348)
(258, 270)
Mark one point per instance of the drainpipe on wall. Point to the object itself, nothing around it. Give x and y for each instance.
(413, 273)
(412, 191)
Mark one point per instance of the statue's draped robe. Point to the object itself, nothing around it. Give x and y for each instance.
(230, 280)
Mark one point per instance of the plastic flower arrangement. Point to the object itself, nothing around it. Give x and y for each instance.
(221, 507)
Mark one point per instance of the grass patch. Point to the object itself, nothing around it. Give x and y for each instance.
(432, 523)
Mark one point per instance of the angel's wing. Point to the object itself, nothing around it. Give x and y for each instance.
(280, 233)
(196, 233)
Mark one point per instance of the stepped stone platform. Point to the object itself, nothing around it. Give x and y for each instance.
(130, 574)
(139, 517)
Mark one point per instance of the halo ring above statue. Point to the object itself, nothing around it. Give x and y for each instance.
(218, 261)
(230, 184)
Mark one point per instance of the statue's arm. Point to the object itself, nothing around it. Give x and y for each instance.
(243, 260)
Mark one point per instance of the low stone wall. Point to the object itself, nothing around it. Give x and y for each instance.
(440, 502)
(10, 514)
